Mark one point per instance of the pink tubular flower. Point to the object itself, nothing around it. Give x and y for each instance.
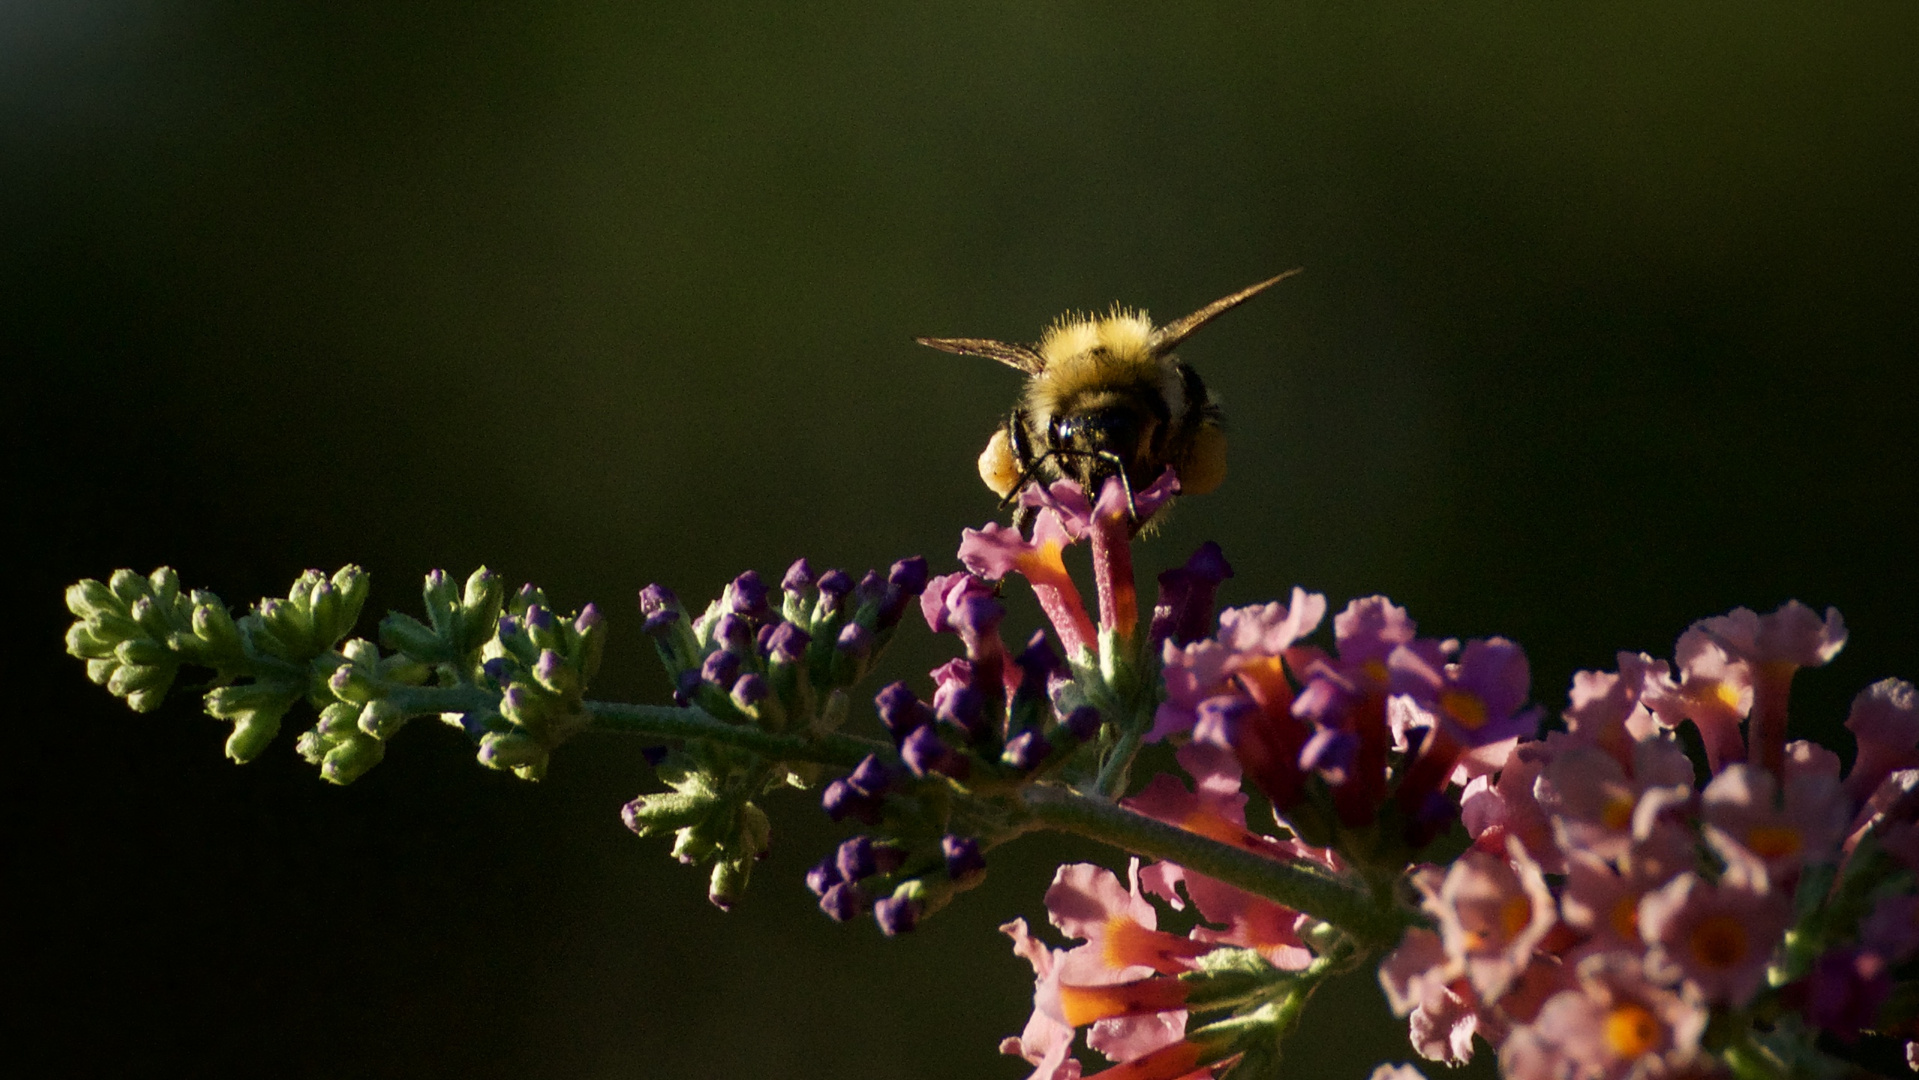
(1776, 645)
(1597, 807)
(1606, 707)
(1613, 1024)
(1476, 702)
(1047, 1042)
(1885, 721)
(1740, 808)
(995, 551)
(1493, 810)
(1714, 692)
(1719, 938)
(1492, 914)
(1345, 699)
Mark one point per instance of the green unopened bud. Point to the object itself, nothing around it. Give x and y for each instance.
(552, 672)
(251, 735)
(150, 618)
(350, 758)
(87, 597)
(406, 634)
(83, 643)
(337, 721)
(128, 586)
(479, 615)
(99, 671)
(323, 614)
(111, 626)
(130, 679)
(353, 584)
(142, 651)
(667, 811)
(287, 625)
(403, 669)
(165, 585)
(255, 709)
(755, 836)
(349, 683)
(520, 753)
(440, 595)
(692, 846)
(727, 886)
(213, 625)
(382, 719)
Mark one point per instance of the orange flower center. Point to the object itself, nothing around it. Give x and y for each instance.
(1625, 917)
(1632, 1031)
(1719, 941)
(1617, 813)
(1466, 709)
(1515, 914)
(1773, 841)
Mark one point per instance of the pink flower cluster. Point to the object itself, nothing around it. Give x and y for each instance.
(1123, 982)
(1611, 903)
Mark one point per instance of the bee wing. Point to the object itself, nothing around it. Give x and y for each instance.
(1014, 356)
(1168, 337)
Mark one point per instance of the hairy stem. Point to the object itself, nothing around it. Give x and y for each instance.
(1351, 909)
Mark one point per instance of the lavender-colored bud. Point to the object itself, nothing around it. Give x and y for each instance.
(896, 915)
(909, 575)
(749, 691)
(871, 589)
(538, 617)
(588, 618)
(799, 577)
(515, 702)
(1027, 751)
(873, 776)
(763, 641)
(548, 666)
(842, 800)
(855, 859)
(963, 858)
(961, 706)
(976, 616)
(1184, 609)
(788, 643)
(721, 668)
(657, 598)
(1082, 723)
(842, 902)
(733, 633)
(508, 627)
(1329, 751)
(436, 579)
(925, 753)
(529, 593)
(749, 595)
(657, 623)
(1037, 664)
(1221, 720)
(685, 685)
(824, 875)
(499, 669)
(854, 639)
(901, 711)
(836, 584)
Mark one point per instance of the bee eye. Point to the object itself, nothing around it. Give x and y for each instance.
(1115, 429)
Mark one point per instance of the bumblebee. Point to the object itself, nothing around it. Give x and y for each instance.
(1106, 397)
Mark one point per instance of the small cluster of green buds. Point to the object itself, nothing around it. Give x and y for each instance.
(541, 663)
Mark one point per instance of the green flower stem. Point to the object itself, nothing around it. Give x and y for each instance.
(661, 721)
(667, 722)
(1351, 909)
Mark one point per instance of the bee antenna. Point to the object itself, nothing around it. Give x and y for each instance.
(1168, 337)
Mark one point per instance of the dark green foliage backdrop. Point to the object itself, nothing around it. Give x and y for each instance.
(1608, 323)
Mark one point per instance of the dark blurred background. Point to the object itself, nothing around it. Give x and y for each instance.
(1608, 323)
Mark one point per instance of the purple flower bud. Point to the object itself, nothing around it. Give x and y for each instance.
(854, 640)
(529, 593)
(896, 915)
(976, 616)
(788, 643)
(963, 858)
(499, 669)
(655, 754)
(1037, 663)
(508, 627)
(856, 860)
(871, 589)
(925, 753)
(733, 633)
(548, 666)
(824, 875)
(1330, 752)
(961, 706)
(842, 902)
(656, 624)
(1184, 610)
(799, 577)
(901, 711)
(835, 584)
(721, 668)
(873, 776)
(538, 617)
(749, 595)
(436, 579)
(1027, 751)
(685, 685)
(588, 618)
(1082, 723)
(764, 639)
(657, 598)
(909, 575)
(516, 698)
(749, 691)
(842, 800)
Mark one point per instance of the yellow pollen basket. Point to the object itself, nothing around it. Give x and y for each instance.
(1632, 1031)
(1466, 709)
(1719, 941)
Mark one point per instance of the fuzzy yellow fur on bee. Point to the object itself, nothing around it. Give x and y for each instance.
(1104, 397)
